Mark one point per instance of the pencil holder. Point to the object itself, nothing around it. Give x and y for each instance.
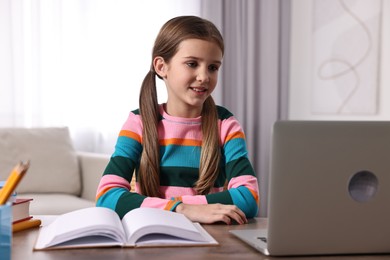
(5, 231)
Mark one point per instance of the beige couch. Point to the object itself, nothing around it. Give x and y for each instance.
(59, 179)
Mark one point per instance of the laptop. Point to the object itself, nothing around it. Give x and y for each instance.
(329, 190)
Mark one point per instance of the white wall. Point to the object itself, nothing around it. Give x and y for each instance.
(302, 71)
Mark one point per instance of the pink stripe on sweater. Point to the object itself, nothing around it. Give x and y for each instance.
(169, 192)
(152, 202)
(198, 199)
(229, 126)
(168, 130)
(176, 192)
(111, 181)
(173, 192)
(133, 123)
(246, 180)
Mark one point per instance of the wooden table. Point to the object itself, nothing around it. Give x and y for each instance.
(229, 248)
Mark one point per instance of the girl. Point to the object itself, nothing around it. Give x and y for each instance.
(189, 155)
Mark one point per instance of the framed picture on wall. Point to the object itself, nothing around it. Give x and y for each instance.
(346, 56)
(339, 60)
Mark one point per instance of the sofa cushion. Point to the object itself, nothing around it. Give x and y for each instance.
(55, 203)
(53, 160)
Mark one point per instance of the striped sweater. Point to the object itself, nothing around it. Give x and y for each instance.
(180, 142)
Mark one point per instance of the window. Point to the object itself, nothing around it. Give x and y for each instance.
(78, 63)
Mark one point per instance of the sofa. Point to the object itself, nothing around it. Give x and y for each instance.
(59, 179)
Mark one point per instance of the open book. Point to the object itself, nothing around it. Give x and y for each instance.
(102, 227)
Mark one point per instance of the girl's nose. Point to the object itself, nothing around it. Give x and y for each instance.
(203, 75)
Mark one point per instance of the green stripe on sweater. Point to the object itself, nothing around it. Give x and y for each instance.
(241, 166)
(184, 177)
(121, 166)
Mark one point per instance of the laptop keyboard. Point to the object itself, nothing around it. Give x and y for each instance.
(264, 239)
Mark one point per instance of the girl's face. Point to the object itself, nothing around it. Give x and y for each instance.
(190, 76)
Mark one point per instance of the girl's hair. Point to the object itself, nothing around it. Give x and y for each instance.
(166, 45)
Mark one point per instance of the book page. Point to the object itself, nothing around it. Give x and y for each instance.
(94, 221)
(162, 240)
(146, 221)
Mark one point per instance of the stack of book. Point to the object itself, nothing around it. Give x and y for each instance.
(21, 218)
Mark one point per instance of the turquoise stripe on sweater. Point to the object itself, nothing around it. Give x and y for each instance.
(235, 149)
(243, 199)
(127, 147)
(179, 156)
(110, 198)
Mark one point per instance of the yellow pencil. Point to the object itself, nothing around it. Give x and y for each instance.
(23, 225)
(13, 180)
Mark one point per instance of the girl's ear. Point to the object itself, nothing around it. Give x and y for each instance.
(159, 66)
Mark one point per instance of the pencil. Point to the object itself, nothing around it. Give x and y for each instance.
(12, 181)
(23, 225)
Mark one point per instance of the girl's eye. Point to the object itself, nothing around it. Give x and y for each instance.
(191, 64)
(213, 67)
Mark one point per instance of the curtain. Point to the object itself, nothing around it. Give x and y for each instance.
(254, 78)
(78, 63)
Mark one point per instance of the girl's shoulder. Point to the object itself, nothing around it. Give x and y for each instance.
(224, 113)
(135, 112)
(228, 120)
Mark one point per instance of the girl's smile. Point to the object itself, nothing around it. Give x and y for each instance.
(199, 90)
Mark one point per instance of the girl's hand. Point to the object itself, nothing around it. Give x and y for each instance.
(211, 213)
